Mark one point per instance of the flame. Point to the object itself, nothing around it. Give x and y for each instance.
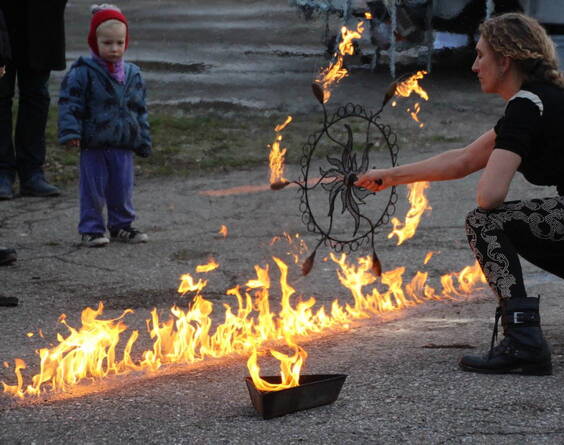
(368, 15)
(290, 367)
(415, 114)
(336, 71)
(190, 335)
(419, 204)
(187, 284)
(409, 86)
(84, 353)
(223, 231)
(277, 155)
(429, 256)
(283, 125)
(211, 265)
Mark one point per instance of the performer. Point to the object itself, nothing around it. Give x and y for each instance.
(516, 59)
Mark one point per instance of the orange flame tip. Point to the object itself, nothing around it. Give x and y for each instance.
(211, 265)
(223, 231)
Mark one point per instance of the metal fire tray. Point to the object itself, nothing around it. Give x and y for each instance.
(314, 390)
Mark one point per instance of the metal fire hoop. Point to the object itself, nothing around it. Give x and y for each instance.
(351, 140)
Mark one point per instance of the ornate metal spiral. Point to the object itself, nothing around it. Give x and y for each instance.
(346, 217)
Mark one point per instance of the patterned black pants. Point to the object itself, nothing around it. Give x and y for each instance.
(533, 229)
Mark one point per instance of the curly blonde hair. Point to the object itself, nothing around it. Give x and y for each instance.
(526, 42)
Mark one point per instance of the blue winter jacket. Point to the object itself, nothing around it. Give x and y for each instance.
(101, 112)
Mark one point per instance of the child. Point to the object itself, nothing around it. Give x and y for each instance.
(102, 110)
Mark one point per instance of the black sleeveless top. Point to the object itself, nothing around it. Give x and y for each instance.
(533, 128)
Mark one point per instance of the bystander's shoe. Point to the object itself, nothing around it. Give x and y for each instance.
(128, 235)
(94, 240)
(8, 301)
(7, 256)
(38, 186)
(6, 188)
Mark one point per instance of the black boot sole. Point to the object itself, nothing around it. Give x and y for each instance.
(522, 369)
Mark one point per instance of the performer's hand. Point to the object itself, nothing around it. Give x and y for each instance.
(373, 180)
(73, 143)
(2, 71)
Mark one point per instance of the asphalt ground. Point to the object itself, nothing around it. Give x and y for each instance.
(403, 383)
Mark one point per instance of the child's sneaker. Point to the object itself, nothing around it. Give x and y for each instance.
(129, 235)
(94, 240)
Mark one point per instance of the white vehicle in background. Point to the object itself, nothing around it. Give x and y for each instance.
(420, 26)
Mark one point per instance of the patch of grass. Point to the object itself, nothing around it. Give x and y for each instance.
(184, 144)
(189, 142)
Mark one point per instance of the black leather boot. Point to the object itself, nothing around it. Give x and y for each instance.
(523, 350)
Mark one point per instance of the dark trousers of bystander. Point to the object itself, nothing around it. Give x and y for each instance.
(24, 154)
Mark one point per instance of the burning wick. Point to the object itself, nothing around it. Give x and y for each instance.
(336, 71)
(376, 265)
(308, 264)
(279, 185)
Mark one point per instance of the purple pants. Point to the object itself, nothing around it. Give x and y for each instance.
(106, 179)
